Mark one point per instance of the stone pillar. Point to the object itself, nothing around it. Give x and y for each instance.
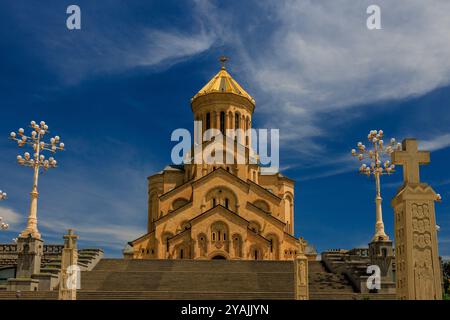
(30, 255)
(418, 272)
(217, 120)
(227, 121)
(203, 125)
(30, 252)
(301, 277)
(69, 268)
(241, 121)
(381, 254)
(231, 124)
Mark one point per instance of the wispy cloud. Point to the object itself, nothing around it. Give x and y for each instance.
(106, 234)
(437, 143)
(168, 47)
(114, 41)
(10, 217)
(314, 69)
(104, 200)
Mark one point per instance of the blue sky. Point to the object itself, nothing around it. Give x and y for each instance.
(116, 89)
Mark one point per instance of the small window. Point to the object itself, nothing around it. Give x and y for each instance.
(224, 236)
(214, 236)
(181, 254)
(227, 202)
(236, 120)
(214, 202)
(222, 122)
(208, 121)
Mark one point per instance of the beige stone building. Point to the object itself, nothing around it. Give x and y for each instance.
(219, 210)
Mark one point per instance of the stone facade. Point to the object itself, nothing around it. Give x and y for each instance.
(219, 211)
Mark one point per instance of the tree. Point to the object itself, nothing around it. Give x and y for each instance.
(446, 274)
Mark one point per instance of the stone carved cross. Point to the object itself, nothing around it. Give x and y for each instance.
(410, 158)
(69, 239)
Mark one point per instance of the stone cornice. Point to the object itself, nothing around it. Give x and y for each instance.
(219, 208)
(264, 191)
(223, 172)
(145, 236)
(173, 213)
(216, 98)
(180, 234)
(257, 235)
(419, 191)
(265, 215)
(175, 190)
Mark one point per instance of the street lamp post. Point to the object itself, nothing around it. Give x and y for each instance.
(375, 164)
(3, 225)
(36, 162)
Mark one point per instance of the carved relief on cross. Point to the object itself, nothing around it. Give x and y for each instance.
(410, 158)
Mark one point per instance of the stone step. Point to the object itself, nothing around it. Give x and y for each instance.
(182, 295)
(29, 295)
(150, 295)
(166, 295)
(321, 281)
(194, 265)
(187, 281)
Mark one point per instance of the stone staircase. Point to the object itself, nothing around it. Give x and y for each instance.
(87, 260)
(188, 279)
(353, 265)
(119, 279)
(51, 261)
(29, 295)
(326, 285)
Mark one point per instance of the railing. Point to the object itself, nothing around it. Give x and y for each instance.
(8, 248)
(48, 249)
(53, 248)
(362, 252)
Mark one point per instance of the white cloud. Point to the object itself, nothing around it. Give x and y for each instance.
(104, 200)
(437, 143)
(114, 41)
(103, 234)
(319, 61)
(323, 54)
(10, 217)
(162, 46)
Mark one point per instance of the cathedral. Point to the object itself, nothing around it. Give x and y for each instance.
(220, 210)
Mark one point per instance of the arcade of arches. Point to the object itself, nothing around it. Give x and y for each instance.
(199, 211)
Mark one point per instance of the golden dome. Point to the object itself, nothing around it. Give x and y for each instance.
(223, 82)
